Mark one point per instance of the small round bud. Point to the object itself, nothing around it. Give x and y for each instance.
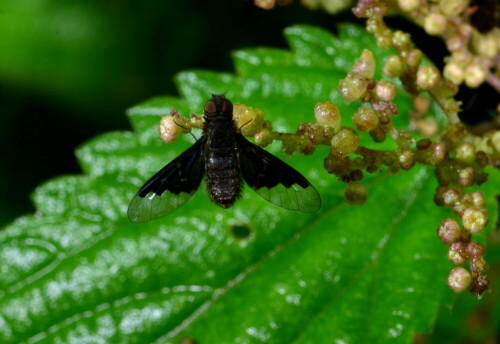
(384, 119)
(451, 8)
(378, 134)
(327, 114)
(455, 43)
(385, 90)
(427, 126)
(478, 199)
(465, 30)
(474, 220)
(421, 104)
(365, 119)
(475, 249)
(454, 73)
(449, 231)
(440, 152)
(478, 265)
(365, 66)
(438, 195)
(435, 24)
(263, 137)
(482, 159)
(383, 41)
(407, 160)
(459, 280)
(352, 88)
(475, 75)
(459, 208)
(427, 77)
(345, 142)
(356, 175)
(451, 196)
(394, 66)
(457, 253)
(423, 144)
(466, 152)
(479, 285)
(414, 57)
(467, 199)
(486, 45)
(408, 5)
(355, 193)
(404, 138)
(248, 119)
(461, 57)
(466, 176)
(401, 40)
(168, 129)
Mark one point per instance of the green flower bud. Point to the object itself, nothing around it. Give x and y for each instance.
(168, 129)
(466, 176)
(475, 249)
(457, 253)
(365, 119)
(408, 5)
(355, 193)
(452, 8)
(454, 73)
(435, 24)
(428, 77)
(352, 88)
(475, 75)
(385, 90)
(394, 66)
(365, 66)
(474, 220)
(327, 114)
(263, 137)
(248, 119)
(449, 231)
(345, 142)
(459, 280)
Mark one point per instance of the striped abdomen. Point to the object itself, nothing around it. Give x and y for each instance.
(223, 175)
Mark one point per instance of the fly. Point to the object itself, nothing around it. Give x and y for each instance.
(226, 158)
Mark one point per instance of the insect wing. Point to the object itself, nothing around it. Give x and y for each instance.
(170, 187)
(275, 180)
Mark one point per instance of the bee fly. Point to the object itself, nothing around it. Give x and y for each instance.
(224, 156)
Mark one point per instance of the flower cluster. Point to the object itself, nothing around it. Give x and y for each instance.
(457, 157)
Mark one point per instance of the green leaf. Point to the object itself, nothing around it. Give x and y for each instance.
(79, 272)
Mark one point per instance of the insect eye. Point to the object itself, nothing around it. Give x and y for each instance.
(227, 106)
(210, 107)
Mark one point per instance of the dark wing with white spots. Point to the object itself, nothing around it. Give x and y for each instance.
(275, 180)
(171, 187)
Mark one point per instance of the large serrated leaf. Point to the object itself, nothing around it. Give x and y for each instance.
(79, 272)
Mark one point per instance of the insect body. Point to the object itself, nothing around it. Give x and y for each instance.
(225, 157)
(221, 158)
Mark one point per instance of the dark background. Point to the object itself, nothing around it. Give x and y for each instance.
(68, 71)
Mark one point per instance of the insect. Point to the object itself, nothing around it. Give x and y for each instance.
(225, 157)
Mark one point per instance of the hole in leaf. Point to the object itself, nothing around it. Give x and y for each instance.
(241, 231)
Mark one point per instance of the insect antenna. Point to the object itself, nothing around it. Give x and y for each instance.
(186, 129)
(244, 125)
